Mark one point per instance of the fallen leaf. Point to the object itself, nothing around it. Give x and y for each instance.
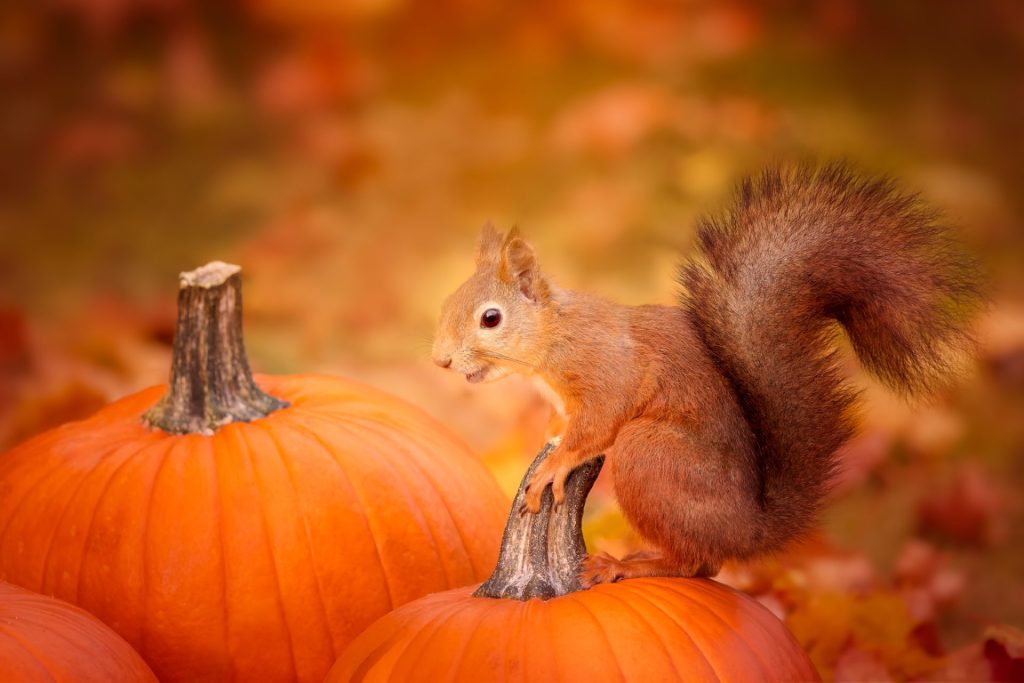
(967, 510)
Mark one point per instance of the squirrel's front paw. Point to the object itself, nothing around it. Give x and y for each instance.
(550, 471)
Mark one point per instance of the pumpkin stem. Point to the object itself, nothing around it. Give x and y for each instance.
(541, 554)
(211, 384)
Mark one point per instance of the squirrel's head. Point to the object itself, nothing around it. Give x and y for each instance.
(492, 324)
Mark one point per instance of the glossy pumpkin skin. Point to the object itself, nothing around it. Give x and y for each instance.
(256, 553)
(45, 640)
(638, 630)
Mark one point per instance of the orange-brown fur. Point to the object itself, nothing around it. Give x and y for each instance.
(721, 417)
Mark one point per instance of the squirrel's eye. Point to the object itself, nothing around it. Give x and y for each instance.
(490, 318)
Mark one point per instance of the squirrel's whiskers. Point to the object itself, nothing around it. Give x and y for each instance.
(493, 355)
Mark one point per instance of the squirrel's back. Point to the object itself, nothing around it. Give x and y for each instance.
(800, 250)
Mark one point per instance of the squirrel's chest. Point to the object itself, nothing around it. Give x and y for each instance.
(548, 392)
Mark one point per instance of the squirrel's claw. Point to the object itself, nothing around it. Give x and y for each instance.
(558, 486)
(551, 472)
(601, 568)
(532, 500)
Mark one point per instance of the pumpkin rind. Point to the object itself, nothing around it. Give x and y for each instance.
(257, 552)
(46, 640)
(638, 630)
(530, 621)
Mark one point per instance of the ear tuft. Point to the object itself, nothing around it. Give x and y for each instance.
(519, 267)
(488, 246)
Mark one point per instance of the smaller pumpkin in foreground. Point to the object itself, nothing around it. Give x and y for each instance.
(46, 640)
(655, 629)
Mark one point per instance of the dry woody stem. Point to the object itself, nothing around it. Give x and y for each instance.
(541, 554)
(210, 384)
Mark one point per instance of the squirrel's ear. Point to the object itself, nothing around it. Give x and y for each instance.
(519, 267)
(488, 246)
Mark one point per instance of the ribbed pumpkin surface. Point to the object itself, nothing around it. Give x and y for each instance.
(256, 553)
(45, 640)
(639, 630)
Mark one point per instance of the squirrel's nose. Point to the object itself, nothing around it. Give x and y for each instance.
(444, 362)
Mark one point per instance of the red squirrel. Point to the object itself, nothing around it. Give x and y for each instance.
(721, 417)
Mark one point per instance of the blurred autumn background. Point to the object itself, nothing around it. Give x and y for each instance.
(345, 153)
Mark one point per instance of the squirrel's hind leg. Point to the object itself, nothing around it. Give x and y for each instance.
(690, 496)
(603, 568)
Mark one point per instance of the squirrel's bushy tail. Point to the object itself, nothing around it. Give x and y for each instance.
(803, 249)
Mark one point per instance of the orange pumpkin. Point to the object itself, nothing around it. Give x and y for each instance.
(44, 640)
(260, 538)
(531, 621)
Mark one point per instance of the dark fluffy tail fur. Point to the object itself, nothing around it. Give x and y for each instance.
(803, 249)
